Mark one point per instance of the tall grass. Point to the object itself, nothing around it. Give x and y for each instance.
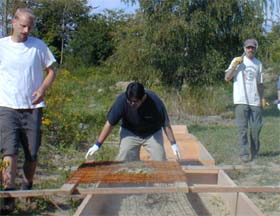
(212, 100)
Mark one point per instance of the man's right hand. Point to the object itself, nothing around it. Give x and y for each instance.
(93, 149)
(237, 61)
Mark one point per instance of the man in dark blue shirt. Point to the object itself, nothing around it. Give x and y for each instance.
(143, 117)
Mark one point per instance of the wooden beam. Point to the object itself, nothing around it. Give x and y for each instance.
(134, 190)
(68, 188)
(33, 193)
(226, 167)
(223, 167)
(84, 204)
(186, 189)
(142, 190)
(230, 189)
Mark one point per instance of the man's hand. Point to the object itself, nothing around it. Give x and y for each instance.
(93, 149)
(278, 105)
(38, 96)
(175, 149)
(237, 61)
(264, 102)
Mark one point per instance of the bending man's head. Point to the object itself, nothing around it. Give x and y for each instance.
(135, 93)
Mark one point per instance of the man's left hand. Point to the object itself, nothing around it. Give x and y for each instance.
(175, 149)
(38, 97)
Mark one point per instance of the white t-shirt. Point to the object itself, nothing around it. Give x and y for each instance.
(249, 74)
(21, 71)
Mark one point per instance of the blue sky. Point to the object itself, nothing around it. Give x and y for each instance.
(111, 4)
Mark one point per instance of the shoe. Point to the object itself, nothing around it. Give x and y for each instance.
(8, 206)
(253, 156)
(245, 158)
(27, 186)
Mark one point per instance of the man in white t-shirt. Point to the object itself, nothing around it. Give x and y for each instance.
(247, 74)
(22, 89)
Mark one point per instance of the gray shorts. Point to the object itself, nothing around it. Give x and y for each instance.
(20, 127)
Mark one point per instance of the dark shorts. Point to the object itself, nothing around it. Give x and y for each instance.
(20, 127)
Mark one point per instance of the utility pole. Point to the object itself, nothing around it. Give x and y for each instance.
(4, 14)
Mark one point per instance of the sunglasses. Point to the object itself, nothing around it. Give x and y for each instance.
(132, 102)
(250, 47)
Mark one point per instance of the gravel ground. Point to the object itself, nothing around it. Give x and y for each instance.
(156, 205)
(160, 204)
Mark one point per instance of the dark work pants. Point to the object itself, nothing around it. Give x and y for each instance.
(249, 123)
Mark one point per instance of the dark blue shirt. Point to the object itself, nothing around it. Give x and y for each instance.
(150, 117)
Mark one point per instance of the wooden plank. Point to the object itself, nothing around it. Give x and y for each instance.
(201, 171)
(180, 129)
(33, 193)
(230, 189)
(227, 167)
(204, 156)
(66, 189)
(133, 190)
(69, 188)
(82, 209)
(168, 188)
(202, 176)
(187, 168)
(180, 188)
(238, 203)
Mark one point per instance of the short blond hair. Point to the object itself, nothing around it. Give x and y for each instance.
(26, 11)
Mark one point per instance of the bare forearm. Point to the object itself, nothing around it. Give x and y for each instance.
(230, 74)
(49, 79)
(39, 94)
(107, 129)
(169, 133)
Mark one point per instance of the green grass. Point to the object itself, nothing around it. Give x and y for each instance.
(221, 141)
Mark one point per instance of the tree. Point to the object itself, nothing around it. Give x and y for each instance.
(269, 9)
(4, 17)
(189, 41)
(57, 20)
(91, 43)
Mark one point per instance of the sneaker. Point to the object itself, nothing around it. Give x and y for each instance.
(245, 158)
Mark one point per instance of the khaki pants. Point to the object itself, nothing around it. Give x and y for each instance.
(130, 145)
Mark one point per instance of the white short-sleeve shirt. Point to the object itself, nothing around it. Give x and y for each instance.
(21, 71)
(248, 75)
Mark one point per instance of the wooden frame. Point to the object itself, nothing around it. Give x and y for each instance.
(199, 166)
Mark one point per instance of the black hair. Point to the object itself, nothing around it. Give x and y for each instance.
(135, 90)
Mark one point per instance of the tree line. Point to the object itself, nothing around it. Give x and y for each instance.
(175, 42)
